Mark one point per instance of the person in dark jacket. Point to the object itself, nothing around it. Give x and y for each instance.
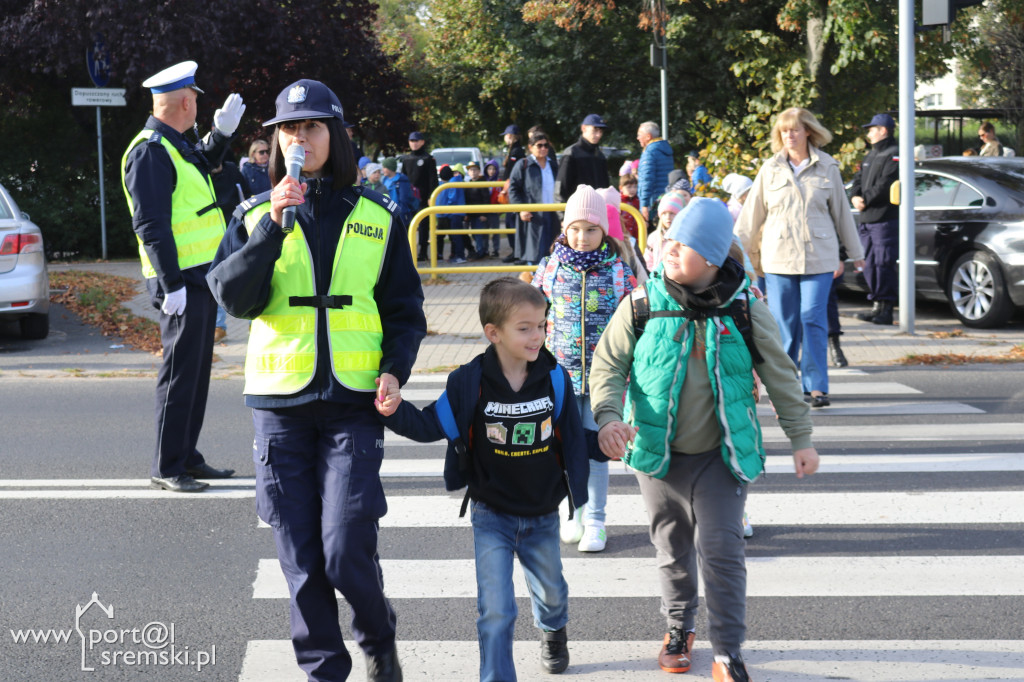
(166, 180)
(477, 195)
(421, 169)
(879, 225)
(513, 153)
(399, 188)
(255, 169)
(519, 452)
(583, 162)
(533, 182)
(337, 311)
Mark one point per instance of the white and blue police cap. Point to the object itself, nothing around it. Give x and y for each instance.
(306, 99)
(172, 78)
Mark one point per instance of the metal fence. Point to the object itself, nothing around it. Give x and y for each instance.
(433, 210)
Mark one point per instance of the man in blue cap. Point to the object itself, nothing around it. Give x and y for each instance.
(583, 162)
(879, 223)
(166, 179)
(421, 169)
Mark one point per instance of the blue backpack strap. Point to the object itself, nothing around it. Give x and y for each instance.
(558, 384)
(445, 415)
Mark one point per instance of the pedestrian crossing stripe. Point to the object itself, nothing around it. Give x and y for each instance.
(779, 576)
(868, 388)
(956, 660)
(858, 433)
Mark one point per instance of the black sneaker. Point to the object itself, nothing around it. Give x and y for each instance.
(733, 671)
(554, 652)
(383, 668)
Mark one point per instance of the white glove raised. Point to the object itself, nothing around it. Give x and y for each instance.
(227, 117)
(174, 302)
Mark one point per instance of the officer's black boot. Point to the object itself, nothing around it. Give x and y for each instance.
(836, 351)
(884, 316)
(383, 668)
(870, 315)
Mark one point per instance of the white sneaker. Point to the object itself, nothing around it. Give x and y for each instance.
(748, 530)
(570, 530)
(594, 538)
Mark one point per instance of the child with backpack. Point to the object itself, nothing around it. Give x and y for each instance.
(687, 344)
(583, 280)
(518, 449)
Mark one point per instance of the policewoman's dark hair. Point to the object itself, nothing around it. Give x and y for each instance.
(340, 165)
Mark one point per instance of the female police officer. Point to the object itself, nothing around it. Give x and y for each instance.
(337, 309)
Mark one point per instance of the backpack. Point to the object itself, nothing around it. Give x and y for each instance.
(738, 310)
(445, 415)
(417, 197)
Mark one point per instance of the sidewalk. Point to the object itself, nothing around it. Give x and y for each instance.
(454, 335)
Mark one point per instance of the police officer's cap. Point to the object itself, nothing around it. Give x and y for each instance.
(172, 78)
(306, 99)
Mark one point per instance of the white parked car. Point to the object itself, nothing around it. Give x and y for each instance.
(454, 155)
(24, 280)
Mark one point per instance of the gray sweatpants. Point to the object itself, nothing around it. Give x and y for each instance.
(700, 492)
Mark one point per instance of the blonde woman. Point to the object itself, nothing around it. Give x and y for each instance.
(791, 225)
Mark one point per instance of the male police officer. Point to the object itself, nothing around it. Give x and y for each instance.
(879, 223)
(583, 162)
(166, 180)
(421, 169)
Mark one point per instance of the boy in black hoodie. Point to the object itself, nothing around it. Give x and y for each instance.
(519, 453)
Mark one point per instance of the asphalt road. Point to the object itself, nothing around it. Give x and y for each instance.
(77, 519)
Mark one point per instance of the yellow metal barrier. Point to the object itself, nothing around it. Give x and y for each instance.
(432, 211)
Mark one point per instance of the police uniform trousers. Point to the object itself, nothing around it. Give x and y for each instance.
(881, 243)
(318, 485)
(183, 382)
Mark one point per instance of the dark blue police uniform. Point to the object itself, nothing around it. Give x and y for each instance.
(318, 452)
(183, 380)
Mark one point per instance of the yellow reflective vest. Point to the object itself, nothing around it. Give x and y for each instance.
(282, 353)
(196, 221)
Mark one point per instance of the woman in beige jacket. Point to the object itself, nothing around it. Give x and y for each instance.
(791, 225)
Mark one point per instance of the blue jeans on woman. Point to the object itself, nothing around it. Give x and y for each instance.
(498, 538)
(800, 304)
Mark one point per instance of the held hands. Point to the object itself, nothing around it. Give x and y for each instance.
(289, 192)
(805, 461)
(227, 117)
(614, 438)
(388, 397)
(174, 302)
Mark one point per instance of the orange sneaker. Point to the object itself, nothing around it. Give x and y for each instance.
(675, 653)
(733, 671)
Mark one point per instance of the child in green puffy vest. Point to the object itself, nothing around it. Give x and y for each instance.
(692, 434)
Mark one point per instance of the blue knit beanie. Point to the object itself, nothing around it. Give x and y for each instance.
(705, 225)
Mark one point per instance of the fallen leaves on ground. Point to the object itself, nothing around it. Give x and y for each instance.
(96, 298)
(1016, 354)
(952, 334)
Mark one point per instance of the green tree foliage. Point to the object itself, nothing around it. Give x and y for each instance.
(992, 63)
(484, 67)
(254, 48)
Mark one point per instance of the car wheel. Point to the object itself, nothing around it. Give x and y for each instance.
(35, 326)
(977, 291)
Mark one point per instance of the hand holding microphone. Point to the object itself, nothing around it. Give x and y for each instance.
(289, 192)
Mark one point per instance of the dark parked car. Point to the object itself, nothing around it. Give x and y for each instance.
(969, 237)
(24, 280)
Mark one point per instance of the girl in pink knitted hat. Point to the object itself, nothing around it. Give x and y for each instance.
(584, 279)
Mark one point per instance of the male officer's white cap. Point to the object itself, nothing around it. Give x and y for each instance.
(172, 78)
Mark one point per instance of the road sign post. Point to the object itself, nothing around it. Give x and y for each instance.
(99, 97)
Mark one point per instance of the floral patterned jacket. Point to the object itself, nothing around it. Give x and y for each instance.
(582, 302)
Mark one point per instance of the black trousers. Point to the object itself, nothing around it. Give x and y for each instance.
(183, 382)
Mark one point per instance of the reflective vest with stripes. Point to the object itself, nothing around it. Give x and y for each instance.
(196, 221)
(282, 354)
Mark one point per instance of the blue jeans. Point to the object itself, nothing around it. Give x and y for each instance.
(222, 318)
(800, 306)
(597, 481)
(497, 538)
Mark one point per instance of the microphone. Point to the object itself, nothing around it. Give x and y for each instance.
(294, 159)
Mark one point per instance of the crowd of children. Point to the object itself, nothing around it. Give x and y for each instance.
(585, 366)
